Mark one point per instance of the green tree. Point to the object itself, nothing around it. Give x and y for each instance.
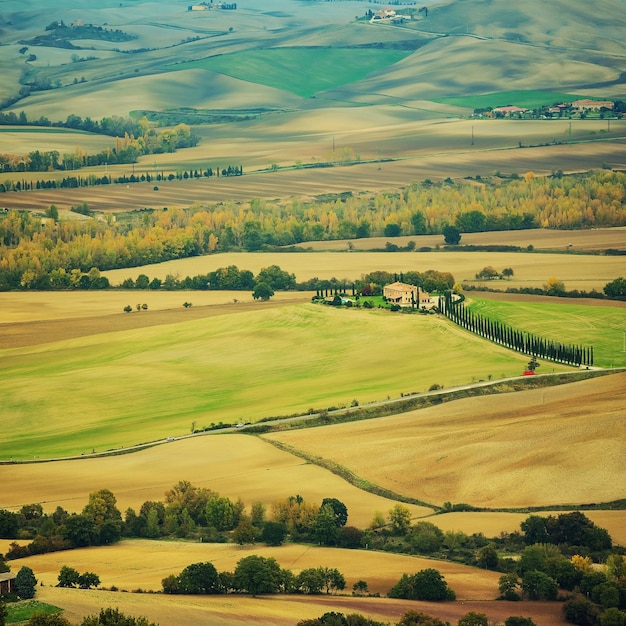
(416, 618)
(613, 617)
(360, 588)
(3, 613)
(25, 583)
(579, 610)
(324, 526)
(245, 532)
(340, 511)
(616, 288)
(257, 574)
(515, 620)
(451, 235)
(392, 230)
(87, 580)
(311, 580)
(487, 557)
(539, 586)
(509, 585)
(199, 578)
(262, 291)
(68, 577)
(418, 220)
(427, 584)
(400, 519)
(473, 619)
(114, 617)
(276, 278)
(274, 533)
(220, 513)
(426, 537)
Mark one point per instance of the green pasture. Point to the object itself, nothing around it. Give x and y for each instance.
(20, 612)
(603, 327)
(526, 99)
(119, 389)
(303, 71)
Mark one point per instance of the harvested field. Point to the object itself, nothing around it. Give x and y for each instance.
(492, 524)
(540, 239)
(132, 564)
(279, 610)
(584, 272)
(236, 465)
(31, 318)
(533, 448)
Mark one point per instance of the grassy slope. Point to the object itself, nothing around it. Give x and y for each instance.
(600, 327)
(120, 389)
(303, 71)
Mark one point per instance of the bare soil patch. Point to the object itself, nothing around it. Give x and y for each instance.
(532, 448)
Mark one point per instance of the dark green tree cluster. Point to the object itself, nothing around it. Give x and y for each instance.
(99, 523)
(427, 584)
(512, 338)
(255, 575)
(69, 577)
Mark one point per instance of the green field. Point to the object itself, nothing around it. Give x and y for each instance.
(302, 71)
(526, 99)
(120, 389)
(604, 328)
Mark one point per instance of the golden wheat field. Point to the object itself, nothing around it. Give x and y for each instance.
(237, 465)
(279, 610)
(535, 448)
(583, 272)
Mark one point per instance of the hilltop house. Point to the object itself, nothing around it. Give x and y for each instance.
(408, 295)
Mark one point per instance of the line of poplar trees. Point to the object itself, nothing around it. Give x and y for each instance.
(512, 338)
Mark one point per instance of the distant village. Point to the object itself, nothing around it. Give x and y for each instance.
(566, 109)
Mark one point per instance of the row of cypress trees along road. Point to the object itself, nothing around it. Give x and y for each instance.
(513, 338)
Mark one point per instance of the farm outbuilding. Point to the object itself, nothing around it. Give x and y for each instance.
(7, 583)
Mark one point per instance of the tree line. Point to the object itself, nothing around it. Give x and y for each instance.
(512, 338)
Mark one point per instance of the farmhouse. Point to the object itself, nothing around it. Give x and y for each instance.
(7, 583)
(591, 105)
(508, 111)
(388, 15)
(408, 295)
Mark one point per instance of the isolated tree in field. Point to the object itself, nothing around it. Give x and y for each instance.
(87, 580)
(487, 273)
(360, 588)
(451, 235)
(427, 584)
(507, 272)
(262, 291)
(68, 577)
(25, 583)
(276, 278)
